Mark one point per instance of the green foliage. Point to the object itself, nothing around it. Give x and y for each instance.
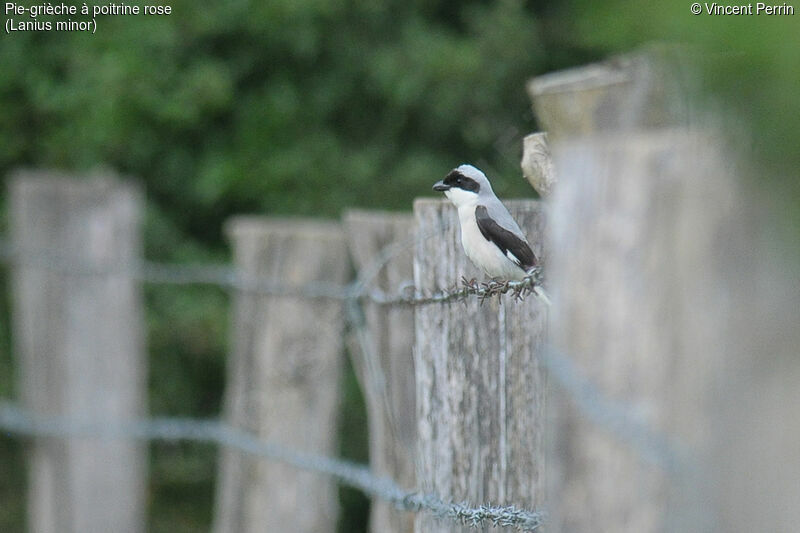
(181, 496)
(276, 107)
(353, 446)
(12, 484)
(12, 459)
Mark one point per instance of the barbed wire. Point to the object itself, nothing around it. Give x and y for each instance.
(229, 278)
(469, 287)
(21, 422)
(170, 274)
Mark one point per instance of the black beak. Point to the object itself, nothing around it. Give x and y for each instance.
(440, 186)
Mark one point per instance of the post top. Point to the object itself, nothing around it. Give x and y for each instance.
(376, 216)
(98, 182)
(581, 78)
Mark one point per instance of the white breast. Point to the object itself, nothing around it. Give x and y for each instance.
(485, 254)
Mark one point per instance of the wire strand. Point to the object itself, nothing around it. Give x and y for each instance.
(229, 278)
(20, 422)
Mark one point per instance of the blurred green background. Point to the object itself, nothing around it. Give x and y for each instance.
(307, 107)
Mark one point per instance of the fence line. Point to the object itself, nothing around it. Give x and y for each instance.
(20, 422)
(228, 278)
(172, 274)
(653, 447)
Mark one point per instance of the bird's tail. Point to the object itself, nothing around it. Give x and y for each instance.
(542, 295)
(534, 273)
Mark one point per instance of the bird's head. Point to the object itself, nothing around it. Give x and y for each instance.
(463, 185)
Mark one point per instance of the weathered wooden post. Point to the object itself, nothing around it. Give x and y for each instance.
(79, 343)
(283, 374)
(480, 383)
(382, 247)
(634, 311)
(627, 240)
(648, 247)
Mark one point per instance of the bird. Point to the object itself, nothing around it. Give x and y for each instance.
(490, 236)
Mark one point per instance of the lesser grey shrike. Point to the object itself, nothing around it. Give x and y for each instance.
(491, 238)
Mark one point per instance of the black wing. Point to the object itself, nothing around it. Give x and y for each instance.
(512, 246)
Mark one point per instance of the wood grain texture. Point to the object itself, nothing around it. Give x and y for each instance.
(386, 368)
(283, 376)
(78, 333)
(480, 385)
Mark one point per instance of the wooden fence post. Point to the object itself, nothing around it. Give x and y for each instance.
(627, 241)
(382, 247)
(630, 93)
(283, 375)
(480, 384)
(78, 335)
(649, 250)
